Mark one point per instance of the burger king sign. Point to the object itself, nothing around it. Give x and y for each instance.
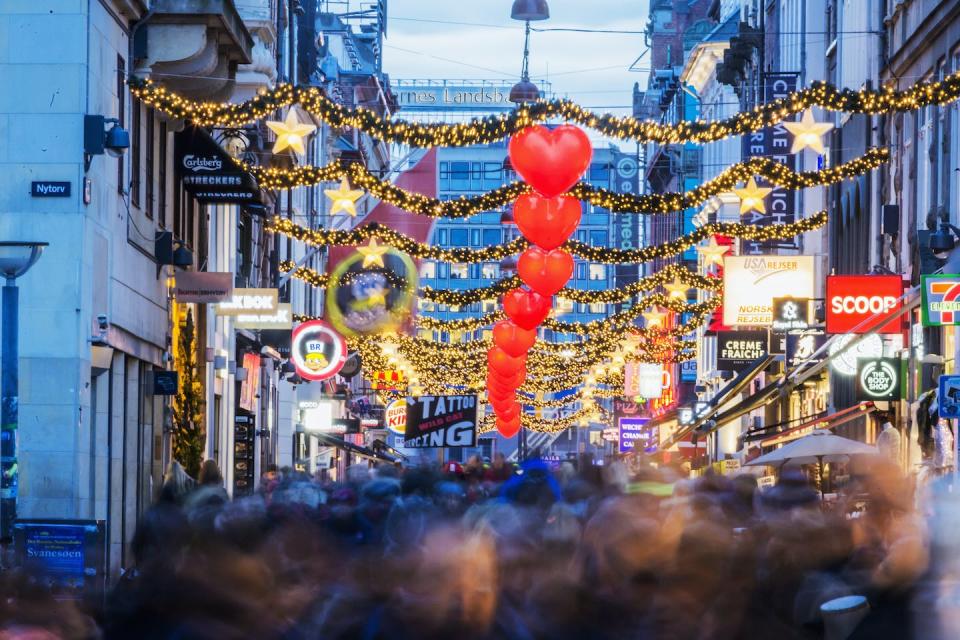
(317, 350)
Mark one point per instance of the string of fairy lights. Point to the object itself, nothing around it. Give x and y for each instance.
(656, 203)
(463, 255)
(493, 128)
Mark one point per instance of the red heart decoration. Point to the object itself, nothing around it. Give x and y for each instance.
(500, 395)
(527, 309)
(550, 160)
(546, 222)
(506, 382)
(546, 272)
(509, 412)
(502, 362)
(512, 339)
(508, 428)
(502, 405)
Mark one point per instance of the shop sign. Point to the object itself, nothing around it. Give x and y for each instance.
(395, 417)
(627, 233)
(844, 360)
(165, 383)
(644, 379)
(251, 384)
(388, 380)
(441, 421)
(801, 348)
(434, 96)
(878, 379)
(281, 318)
(852, 301)
(685, 415)
(791, 314)
(940, 303)
(203, 286)
(948, 399)
(634, 434)
(736, 350)
(249, 302)
(208, 172)
(688, 371)
(317, 350)
(668, 394)
(750, 283)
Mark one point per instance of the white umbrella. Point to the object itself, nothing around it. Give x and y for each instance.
(818, 447)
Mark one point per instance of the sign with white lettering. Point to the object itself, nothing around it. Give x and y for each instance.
(441, 421)
(878, 379)
(635, 436)
(281, 318)
(861, 304)
(208, 172)
(317, 350)
(203, 286)
(750, 283)
(738, 349)
(627, 231)
(395, 417)
(802, 347)
(48, 189)
(453, 96)
(246, 302)
(940, 300)
(790, 315)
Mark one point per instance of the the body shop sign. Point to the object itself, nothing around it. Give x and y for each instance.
(750, 283)
(878, 379)
(317, 350)
(860, 304)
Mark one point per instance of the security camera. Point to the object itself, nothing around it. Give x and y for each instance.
(102, 322)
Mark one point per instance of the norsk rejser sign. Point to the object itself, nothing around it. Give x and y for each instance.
(441, 421)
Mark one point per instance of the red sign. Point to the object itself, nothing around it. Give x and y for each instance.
(859, 304)
(317, 350)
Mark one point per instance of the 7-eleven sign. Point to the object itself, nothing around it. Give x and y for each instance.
(940, 301)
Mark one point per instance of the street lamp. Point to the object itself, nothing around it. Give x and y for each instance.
(16, 258)
(527, 10)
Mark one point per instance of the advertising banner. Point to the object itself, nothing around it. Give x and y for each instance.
(317, 350)
(208, 172)
(773, 143)
(203, 286)
(878, 379)
(281, 318)
(940, 303)
(737, 349)
(802, 347)
(853, 300)
(441, 421)
(635, 436)
(750, 283)
(626, 227)
(251, 384)
(245, 302)
(67, 555)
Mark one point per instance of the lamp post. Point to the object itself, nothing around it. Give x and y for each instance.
(16, 258)
(527, 10)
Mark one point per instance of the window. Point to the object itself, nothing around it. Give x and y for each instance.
(491, 237)
(149, 165)
(491, 270)
(598, 271)
(598, 238)
(564, 306)
(582, 235)
(475, 237)
(444, 175)
(162, 177)
(458, 271)
(458, 237)
(581, 271)
(599, 172)
(135, 150)
(442, 241)
(424, 305)
(428, 270)
(121, 112)
(489, 306)
(597, 307)
(459, 175)
(476, 175)
(492, 175)
(443, 269)
(475, 271)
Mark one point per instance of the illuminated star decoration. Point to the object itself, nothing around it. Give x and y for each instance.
(654, 318)
(713, 252)
(676, 289)
(751, 197)
(344, 198)
(807, 133)
(373, 254)
(290, 133)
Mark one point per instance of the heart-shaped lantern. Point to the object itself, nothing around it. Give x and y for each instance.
(546, 272)
(546, 222)
(527, 309)
(512, 339)
(508, 428)
(502, 363)
(550, 160)
(509, 412)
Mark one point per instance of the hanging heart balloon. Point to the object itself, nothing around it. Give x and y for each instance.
(513, 339)
(527, 309)
(550, 160)
(547, 222)
(503, 363)
(546, 272)
(508, 428)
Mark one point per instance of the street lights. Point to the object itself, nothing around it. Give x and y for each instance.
(527, 10)
(16, 258)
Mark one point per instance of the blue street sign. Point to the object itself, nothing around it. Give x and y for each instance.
(948, 400)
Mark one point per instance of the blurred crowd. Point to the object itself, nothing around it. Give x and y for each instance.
(491, 550)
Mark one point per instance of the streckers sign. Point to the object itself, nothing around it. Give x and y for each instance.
(858, 304)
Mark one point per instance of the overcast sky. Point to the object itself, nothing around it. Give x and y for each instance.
(591, 68)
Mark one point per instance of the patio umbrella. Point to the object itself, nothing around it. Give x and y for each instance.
(818, 447)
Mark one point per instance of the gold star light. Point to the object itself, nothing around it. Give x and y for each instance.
(372, 253)
(344, 198)
(290, 133)
(751, 197)
(654, 318)
(676, 289)
(807, 133)
(713, 252)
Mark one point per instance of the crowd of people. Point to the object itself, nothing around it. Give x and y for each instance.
(496, 551)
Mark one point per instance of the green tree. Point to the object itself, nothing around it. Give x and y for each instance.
(189, 434)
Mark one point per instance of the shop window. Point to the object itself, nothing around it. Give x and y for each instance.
(598, 271)
(458, 271)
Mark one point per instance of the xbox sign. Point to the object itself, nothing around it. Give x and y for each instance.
(878, 379)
